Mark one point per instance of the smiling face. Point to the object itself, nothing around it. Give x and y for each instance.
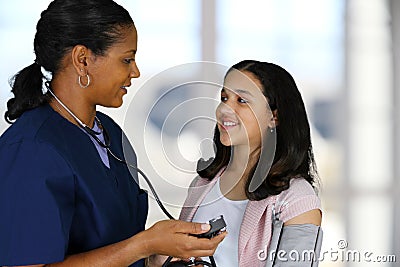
(243, 113)
(111, 74)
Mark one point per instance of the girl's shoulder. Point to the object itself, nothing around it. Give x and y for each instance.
(298, 187)
(300, 197)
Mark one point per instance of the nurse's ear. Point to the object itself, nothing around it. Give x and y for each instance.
(80, 57)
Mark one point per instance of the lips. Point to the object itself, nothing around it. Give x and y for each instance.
(228, 124)
(125, 88)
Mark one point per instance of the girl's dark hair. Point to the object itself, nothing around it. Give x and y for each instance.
(96, 24)
(293, 152)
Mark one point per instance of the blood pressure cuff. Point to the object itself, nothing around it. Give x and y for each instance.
(295, 245)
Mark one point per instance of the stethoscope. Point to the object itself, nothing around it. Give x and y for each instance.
(106, 144)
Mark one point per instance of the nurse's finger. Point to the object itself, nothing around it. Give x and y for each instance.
(191, 227)
(203, 246)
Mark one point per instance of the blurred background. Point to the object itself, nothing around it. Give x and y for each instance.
(344, 56)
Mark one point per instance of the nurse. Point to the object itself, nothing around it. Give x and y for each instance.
(64, 200)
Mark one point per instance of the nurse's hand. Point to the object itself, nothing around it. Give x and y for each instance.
(172, 238)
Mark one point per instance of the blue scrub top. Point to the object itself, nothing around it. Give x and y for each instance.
(57, 197)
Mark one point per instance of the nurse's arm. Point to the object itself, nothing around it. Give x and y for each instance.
(169, 237)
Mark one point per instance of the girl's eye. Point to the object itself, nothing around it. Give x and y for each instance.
(224, 98)
(241, 100)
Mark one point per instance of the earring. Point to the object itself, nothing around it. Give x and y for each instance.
(271, 130)
(80, 82)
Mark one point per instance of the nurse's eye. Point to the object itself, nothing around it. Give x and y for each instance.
(129, 60)
(224, 98)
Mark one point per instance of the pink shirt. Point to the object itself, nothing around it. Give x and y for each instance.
(256, 227)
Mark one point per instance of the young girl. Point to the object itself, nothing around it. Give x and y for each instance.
(263, 161)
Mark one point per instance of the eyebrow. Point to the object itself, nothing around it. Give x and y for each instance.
(133, 51)
(239, 92)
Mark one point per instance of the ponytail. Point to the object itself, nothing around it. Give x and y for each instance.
(63, 25)
(27, 89)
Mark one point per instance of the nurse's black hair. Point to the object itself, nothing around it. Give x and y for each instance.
(96, 24)
(293, 152)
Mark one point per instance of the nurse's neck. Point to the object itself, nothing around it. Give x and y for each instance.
(74, 98)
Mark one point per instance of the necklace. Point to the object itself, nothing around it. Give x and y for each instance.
(80, 123)
(87, 129)
(61, 112)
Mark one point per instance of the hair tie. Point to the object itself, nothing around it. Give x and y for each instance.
(46, 74)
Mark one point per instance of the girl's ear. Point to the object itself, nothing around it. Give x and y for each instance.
(273, 122)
